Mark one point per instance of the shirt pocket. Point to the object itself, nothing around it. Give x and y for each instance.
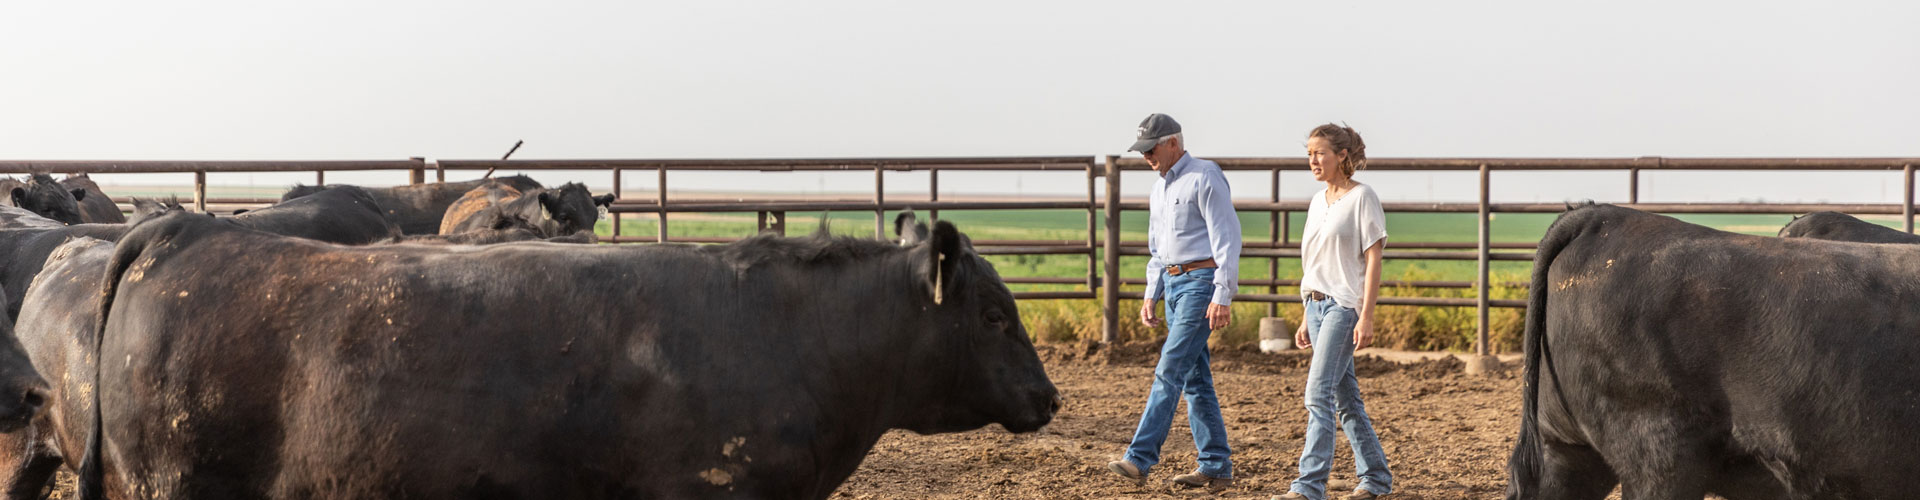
(1183, 210)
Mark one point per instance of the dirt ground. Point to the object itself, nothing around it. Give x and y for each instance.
(1447, 434)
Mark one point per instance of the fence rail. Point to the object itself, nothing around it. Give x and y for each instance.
(1103, 240)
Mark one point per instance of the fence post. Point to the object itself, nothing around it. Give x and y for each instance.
(418, 174)
(1480, 342)
(616, 197)
(1093, 232)
(200, 191)
(1110, 285)
(439, 172)
(319, 177)
(933, 193)
(1633, 186)
(662, 237)
(1906, 205)
(1273, 236)
(880, 202)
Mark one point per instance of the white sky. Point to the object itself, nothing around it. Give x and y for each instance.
(465, 79)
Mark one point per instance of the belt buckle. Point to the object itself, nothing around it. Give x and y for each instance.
(1174, 270)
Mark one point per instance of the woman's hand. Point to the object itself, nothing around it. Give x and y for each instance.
(1363, 334)
(1300, 339)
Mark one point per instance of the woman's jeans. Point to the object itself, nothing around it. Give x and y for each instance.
(1183, 368)
(1332, 392)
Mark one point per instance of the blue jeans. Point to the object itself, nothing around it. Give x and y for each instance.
(1183, 368)
(1331, 387)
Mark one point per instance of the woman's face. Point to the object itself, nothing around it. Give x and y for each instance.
(1324, 161)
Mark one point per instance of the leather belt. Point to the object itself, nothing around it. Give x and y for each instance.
(1179, 269)
(1316, 295)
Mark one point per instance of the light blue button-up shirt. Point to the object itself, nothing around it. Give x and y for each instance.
(1191, 218)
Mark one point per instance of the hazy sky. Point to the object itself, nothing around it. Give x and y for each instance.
(465, 79)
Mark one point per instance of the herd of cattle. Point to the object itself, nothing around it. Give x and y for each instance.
(411, 342)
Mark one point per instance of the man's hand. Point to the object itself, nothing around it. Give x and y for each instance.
(1146, 313)
(1218, 316)
(1300, 338)
(1363, 334)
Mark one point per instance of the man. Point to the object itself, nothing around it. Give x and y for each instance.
(1194, 238)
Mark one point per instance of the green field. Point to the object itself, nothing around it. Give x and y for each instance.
(1437, 328)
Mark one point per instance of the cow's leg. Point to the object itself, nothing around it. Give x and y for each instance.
(27, 463)
(1574, 472)
(1661, 459)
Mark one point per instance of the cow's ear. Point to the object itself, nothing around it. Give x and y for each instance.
(603, 200)
(909, 231)
(944, 247)
(79, 194)
(19, 197)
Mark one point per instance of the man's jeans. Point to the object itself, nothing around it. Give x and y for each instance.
(1330, 387)
(1183, 367)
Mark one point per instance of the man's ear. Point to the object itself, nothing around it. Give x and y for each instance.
(79, 194)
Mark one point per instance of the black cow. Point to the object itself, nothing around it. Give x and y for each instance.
(16, 217)
(418, 208)
(24, 250)
(340, 214)
(41, 195)
(766, 368)
(95, 206)
(1676, 360)
(555, 212)
(1837, 226)
(22, 391)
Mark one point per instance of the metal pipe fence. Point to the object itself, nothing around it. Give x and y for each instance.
(1103, 243)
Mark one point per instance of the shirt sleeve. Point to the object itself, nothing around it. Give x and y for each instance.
(1153, 263)
(1373, 221)
(1223, 235)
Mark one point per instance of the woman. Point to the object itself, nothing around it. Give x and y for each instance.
(1340, 256)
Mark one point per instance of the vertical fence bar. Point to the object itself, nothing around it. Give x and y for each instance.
(200, 191)
(439, 173)
(1633, 185)
(1480, 342)
(1906, 205)
(319, 177)
(1273, 235)
(879, 202)
(418, 174)
(1110, 285)
(662, 237)
(933, 193)
(616, 197)
(1093, 232)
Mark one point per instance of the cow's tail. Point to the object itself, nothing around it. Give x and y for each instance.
(91, 480)
(1524, 467)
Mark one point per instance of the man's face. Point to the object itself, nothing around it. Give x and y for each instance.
(1163, 155)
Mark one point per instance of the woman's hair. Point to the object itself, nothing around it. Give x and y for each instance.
(1344, 138)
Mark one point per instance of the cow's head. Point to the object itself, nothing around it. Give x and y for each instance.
(43, 196)
(572, 208)
(22, 391)
(978, 360)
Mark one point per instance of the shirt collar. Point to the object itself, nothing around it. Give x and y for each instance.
(1180, 167)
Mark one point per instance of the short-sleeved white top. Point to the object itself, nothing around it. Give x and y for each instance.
(1334, 244)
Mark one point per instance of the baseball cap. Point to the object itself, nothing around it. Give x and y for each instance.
(1152, 129)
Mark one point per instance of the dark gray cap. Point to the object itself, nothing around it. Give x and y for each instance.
(1152, 129)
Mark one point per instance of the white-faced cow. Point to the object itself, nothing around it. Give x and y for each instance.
(247, 365)
(1676, 360)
